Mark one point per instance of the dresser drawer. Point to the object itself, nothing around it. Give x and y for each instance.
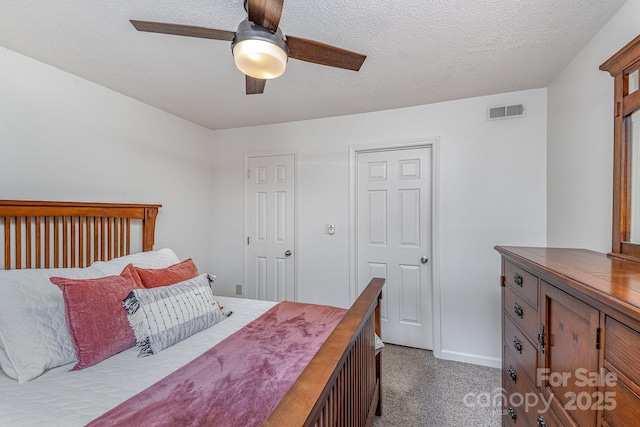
(524, 353)
(523, 282)
(514, 410)
(525, 316)
(621, 348)
(512, 373)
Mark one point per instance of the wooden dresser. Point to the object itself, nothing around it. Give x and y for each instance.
(571, 338)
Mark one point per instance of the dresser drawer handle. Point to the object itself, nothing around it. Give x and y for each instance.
(517, 279)
(541, 422)
(512, 413)
(512, 374)
(517, 345)
(517, 310)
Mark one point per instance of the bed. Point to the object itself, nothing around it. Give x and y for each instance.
(339, 386)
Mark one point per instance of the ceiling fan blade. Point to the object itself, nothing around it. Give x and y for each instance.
(324, 54)
(254, 86)
(183, 30)
(266, 13)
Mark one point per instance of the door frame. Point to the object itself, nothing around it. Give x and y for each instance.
(296, 212)
(432, 143)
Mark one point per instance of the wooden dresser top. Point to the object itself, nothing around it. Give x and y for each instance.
(612, 281)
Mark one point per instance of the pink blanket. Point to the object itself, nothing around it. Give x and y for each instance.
(239, 381)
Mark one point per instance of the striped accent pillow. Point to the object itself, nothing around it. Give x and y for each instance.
(163, 316)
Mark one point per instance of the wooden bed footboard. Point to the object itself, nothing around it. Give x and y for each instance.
(341, 385)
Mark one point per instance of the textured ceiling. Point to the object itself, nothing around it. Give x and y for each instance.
(419, 52)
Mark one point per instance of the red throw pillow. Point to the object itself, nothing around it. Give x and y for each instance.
(154, 277)
(96, 319)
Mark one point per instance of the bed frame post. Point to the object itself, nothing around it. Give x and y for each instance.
(379, 358)
(148, 227)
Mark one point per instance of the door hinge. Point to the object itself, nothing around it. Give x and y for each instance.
(541, 338)
(502, 278)
(598, 339)
(248, 173)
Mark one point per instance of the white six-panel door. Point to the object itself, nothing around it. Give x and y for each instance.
(271, 225)
(394, 241)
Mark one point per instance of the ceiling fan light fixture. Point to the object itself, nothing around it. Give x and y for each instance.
(259, 52)
(260, 59)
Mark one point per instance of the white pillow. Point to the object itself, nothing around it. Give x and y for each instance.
(163, 316)
(153, 259)
(33, 331)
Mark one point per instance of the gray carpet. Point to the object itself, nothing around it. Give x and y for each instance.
(420, 390)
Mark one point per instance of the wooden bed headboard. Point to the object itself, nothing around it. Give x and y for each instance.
(71, 234)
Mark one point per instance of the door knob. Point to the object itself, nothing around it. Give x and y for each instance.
(424, 260)
(287, 253)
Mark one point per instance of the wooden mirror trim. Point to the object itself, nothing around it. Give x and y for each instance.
(619, 65)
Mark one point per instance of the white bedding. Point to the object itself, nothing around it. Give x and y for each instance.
(63, 398)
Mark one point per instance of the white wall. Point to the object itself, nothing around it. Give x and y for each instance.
(580, 140)
(492, 191)
(64, 138)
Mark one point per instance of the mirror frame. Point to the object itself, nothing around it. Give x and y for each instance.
(623, 62)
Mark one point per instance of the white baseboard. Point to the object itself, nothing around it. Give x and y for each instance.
(475, 359)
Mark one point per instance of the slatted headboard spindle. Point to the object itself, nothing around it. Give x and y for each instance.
(71, 234)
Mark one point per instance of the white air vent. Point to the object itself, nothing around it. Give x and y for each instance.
(510, 111)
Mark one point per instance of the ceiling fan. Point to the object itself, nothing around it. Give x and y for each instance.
(259, 47)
